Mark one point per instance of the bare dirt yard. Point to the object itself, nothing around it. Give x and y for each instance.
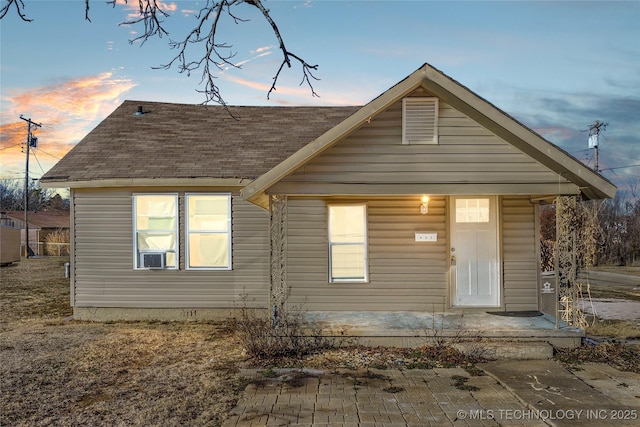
(57, 372)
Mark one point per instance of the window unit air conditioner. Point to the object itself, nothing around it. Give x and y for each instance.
(153, 260)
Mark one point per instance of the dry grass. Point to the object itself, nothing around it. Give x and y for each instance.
(54, 372)
(34, 289)
(620, 356)
(618, 329)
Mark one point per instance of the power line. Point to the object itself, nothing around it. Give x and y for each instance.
(11, 146)
(624, 156)
(36, 157)
(48, 154)
(621, 167)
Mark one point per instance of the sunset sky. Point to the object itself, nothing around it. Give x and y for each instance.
(557, 66)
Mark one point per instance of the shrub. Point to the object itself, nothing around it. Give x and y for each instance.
(291, 337)
(56, 243)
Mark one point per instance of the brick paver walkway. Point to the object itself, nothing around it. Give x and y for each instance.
(376, 398)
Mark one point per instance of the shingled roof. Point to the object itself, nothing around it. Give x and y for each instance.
(41, 219)
(193, 141)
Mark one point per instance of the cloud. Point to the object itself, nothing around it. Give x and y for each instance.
(307, 5)
(134, 7)
(564, 119)
(255, 54)
(301, 94)
(67, 111)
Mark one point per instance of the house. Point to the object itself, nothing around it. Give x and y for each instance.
(425, 197)
(41, 225)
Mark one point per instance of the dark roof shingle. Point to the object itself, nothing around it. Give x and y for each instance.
(193, 141)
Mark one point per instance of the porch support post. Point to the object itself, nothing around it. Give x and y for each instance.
(278, 236)
(566, 263)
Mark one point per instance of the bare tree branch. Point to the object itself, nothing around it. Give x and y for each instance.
(306, 68)
(19, 4)
(213, 56)
(150, 14)
(216, 55)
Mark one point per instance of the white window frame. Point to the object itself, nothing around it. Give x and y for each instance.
(188, 232)
(364, 243)
(420, 114)
(176, 230)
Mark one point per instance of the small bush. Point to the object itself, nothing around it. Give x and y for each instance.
(56, 243)
(291, 338)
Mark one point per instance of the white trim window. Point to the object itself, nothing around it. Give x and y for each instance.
(208, 231)
(420, 120)
(155, 222)
(348, 243)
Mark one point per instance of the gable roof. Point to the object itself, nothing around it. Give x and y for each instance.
(255, 147)
(591, 184)
(172, 144)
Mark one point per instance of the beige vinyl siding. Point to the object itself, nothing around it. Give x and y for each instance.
(104, 274)
(404, 275)
(466, 153)
(519, 255)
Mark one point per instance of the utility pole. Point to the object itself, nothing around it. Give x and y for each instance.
(31, 142)
(594, 136)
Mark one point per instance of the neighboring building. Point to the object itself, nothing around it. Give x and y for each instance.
(186, 208)
(41, 225)
(9, 244)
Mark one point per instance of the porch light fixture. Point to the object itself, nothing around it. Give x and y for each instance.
(424, 206)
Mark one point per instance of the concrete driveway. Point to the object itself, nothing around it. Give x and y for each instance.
(510, 393)
(623, 296)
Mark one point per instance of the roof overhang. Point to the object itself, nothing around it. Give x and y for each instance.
(592, 185)
(60, 182)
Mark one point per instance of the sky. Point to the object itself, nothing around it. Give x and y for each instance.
(556, 66)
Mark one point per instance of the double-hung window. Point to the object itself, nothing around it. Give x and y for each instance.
(348, 243)
(158, 225)
(156, 230)
(208, 237)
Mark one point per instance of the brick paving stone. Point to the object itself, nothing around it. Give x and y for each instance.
(358, 399)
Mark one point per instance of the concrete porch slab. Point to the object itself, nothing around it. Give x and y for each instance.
(414, 329)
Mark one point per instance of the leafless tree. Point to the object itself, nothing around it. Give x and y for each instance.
(12, 197)
(152, 16)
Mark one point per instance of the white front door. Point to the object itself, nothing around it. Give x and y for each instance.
(474, 251)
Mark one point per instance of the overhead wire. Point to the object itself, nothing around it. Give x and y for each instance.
(38, 161)
(48, 154)
(11, 146)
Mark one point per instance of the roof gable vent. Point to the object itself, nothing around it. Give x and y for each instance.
(420, 120)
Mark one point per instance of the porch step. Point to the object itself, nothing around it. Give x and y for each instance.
(530, 350)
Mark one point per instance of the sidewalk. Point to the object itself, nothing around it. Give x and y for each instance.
(514, 393)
